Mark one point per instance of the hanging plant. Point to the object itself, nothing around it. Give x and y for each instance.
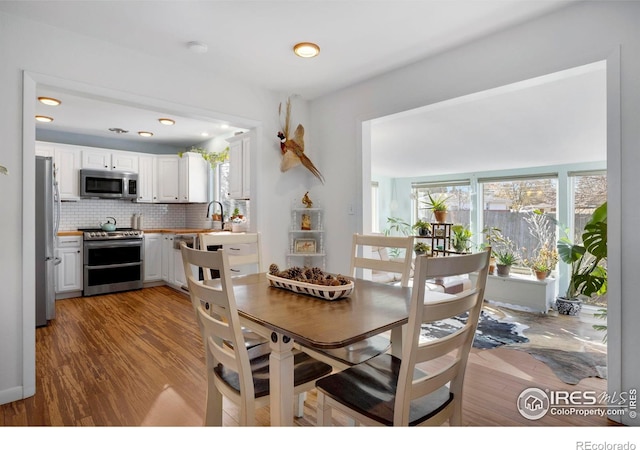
(212, 158)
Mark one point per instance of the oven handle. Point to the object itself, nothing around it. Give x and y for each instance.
(113, 244)
(112, 266)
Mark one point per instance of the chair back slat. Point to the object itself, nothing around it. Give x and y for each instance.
(456, 346)
(228, 240)
(363, 245)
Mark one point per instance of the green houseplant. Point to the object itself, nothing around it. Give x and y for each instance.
(461, 238)
(421, 248)
(438, 206)
(422, 227)
(587, 274)
(396, 226)
(506, 256)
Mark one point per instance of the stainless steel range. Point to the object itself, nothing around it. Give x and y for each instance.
(113, 260)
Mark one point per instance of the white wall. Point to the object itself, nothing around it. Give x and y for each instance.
(577, 35)
(52, 54)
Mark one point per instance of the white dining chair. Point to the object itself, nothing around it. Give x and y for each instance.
(233, 371)
(364, 255)
(387, 390)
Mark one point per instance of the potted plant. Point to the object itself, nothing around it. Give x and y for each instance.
(506, 256)
(587, 275)
(396, 226)
(422, 227)
(461, 239)
(544, 256)
(544, 261)
(438, 206)
(421, 248)
(492, 235)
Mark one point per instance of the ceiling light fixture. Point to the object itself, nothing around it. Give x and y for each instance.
(197, 47)
(49, 101)
(165, 121)
(306, 49)
(204, 134)
(44, 119)
(145, 133)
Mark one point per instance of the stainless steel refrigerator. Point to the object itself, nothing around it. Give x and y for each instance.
(47, 220)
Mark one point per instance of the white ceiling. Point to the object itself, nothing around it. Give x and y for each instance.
(252, 41)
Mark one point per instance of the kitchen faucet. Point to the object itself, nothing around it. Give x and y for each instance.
(221, 211)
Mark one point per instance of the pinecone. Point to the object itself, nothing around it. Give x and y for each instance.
(274, 269)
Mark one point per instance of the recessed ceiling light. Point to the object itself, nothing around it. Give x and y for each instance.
(49, 101)
(165, 121)
(44, 119)
(197, 47)
(224, 126)
(306, 49)
(145, 133)
(204, 134)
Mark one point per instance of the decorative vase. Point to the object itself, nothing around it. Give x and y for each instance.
(541, 274)
(423, 231)
(568, 306)
(503, 270)
(441, 216)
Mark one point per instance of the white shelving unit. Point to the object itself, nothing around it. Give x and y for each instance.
(306, 247)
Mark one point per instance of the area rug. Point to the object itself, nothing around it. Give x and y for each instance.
(491, 332)
(570, 366)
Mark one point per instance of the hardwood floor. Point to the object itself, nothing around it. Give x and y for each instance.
(137, 359)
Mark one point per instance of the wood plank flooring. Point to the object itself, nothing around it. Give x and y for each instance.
(137, 359)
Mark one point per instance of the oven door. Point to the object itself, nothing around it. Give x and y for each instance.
(113, 266)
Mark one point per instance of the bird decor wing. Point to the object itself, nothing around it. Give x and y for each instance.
(292, 148)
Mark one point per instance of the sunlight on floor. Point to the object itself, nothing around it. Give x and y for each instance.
(170, 409)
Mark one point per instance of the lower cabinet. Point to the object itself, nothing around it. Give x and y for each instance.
(69, 271)
(153, 256)
(167, 257)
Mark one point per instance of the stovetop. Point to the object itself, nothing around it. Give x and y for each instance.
(94, 234)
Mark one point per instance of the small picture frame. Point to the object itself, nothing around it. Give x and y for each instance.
(305, 246)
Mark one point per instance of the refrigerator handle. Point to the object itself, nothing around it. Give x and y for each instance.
(56, 197)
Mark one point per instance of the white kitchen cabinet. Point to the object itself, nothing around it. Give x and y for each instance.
(193, 178)
(167, 257)
(45, 149)
(109, 160)
(306, 246)
(240, 166)
(168, 178)
(69, 271)
(153, 256)
(146, 179)
(67, 170)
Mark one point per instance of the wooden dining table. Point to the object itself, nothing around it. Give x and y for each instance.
(285, 317)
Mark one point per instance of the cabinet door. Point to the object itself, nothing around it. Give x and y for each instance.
(167, 257)
(167, 181)
(146, 179)
(67, 167)
(96, 159)
(125, 161)
(69, 271)
(179, 279)
(153, 257)
(194, 178)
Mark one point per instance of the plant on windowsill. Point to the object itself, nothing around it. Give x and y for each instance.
(588, 275)
(422, 227)
(438, 206)
(506, 256)
(396, 226)
(492, 235)
(544, 256)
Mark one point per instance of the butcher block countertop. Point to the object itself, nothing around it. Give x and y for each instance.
(157, 230)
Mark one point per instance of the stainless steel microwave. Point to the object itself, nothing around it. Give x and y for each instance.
(108, 184)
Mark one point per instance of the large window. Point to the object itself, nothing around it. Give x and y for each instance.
(510, 204)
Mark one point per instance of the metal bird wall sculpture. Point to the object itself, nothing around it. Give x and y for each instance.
(292, 148)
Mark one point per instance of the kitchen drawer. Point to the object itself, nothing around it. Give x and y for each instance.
(69, 241)
(240, 249)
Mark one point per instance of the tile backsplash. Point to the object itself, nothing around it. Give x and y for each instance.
(87, 213)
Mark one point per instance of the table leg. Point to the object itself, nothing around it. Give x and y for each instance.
(281, 380)
(396, 340)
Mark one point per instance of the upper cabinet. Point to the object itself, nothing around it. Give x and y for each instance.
(66, 163)
(240, 165)
(193, 178)
(109, 160)
(147, 179)
(167, 178)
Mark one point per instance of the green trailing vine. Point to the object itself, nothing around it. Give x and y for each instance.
(212, 158)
